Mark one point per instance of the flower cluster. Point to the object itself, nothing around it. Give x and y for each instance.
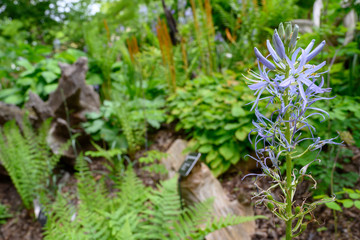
(288, 81)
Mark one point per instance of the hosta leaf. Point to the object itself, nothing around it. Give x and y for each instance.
(227, 150)
(205, 148)
(231, 126)
(222, 139)
(234, 159)
(211, 156)
(237, 111)
(216, 163)
(241, 134)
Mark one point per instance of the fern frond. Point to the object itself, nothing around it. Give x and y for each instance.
(27, 158)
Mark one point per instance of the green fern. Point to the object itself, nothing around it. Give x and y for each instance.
(132, 212)
(4, 213)
(27, 158)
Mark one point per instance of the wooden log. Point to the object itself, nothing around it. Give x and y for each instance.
(201, 185)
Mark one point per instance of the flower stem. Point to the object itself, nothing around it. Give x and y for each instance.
(288, 170)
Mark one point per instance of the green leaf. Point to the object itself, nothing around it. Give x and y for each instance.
(348, 203)
(14, 99)
(357, 204)
(205, 148)
(222, 139)
(227, 150)
(95, 126)
(241, 134)
(348, 190)
(334, 206)
(49, 76)
(25, 81)
(50, 88)
(354, 195)
(211, 156)
(235, 158)
(237, 111)
(231, 126)
(216, 163)
(8, 92)
(94, 79)
(25, 64)
(154, 123)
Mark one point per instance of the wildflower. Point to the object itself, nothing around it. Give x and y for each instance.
(294, 85)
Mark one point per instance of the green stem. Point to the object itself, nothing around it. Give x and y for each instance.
(288, 171)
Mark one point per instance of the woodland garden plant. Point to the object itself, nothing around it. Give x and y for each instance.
(290, 84)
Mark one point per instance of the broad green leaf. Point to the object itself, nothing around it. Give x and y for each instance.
(96, 126)
(14, 99)
(348, 203)
(348, 190)
(154, 123)
(211, 156)
(50, 88)
(241, 134)
(53, 66)
(215, 163)
(227, 150)
(8, 92)
(334, 206)
(49, 76)
(25, 81)
(237, 110)
(234, 159)
(205, 148)
(25, 64)
(222, 139)
(357, 204)
(231, 126)
(354, 195)
(94, 79)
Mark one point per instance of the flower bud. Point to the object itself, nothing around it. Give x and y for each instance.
(294, 37)
(270, 197)
(281, 31)
(316, 51)
(297, 209)
(279, 45)
(288, 31)
(270, 206)
(263, 60)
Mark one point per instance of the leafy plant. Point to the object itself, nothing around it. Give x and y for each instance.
(27, 158)
(4, 214)
(293, 87)
(352, 199)
(122, 124)
(113, 156)
(133, 212)
(212, 111)
(151, 160)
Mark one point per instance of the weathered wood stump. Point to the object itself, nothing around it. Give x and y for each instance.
(201, 185)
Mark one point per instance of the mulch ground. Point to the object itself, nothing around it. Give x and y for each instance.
(22, 225)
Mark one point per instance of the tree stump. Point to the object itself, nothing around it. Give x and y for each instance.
(201, 185)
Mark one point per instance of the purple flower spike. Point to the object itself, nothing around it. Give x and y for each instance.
(292, 89)
(316, 51)
(263, 60)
